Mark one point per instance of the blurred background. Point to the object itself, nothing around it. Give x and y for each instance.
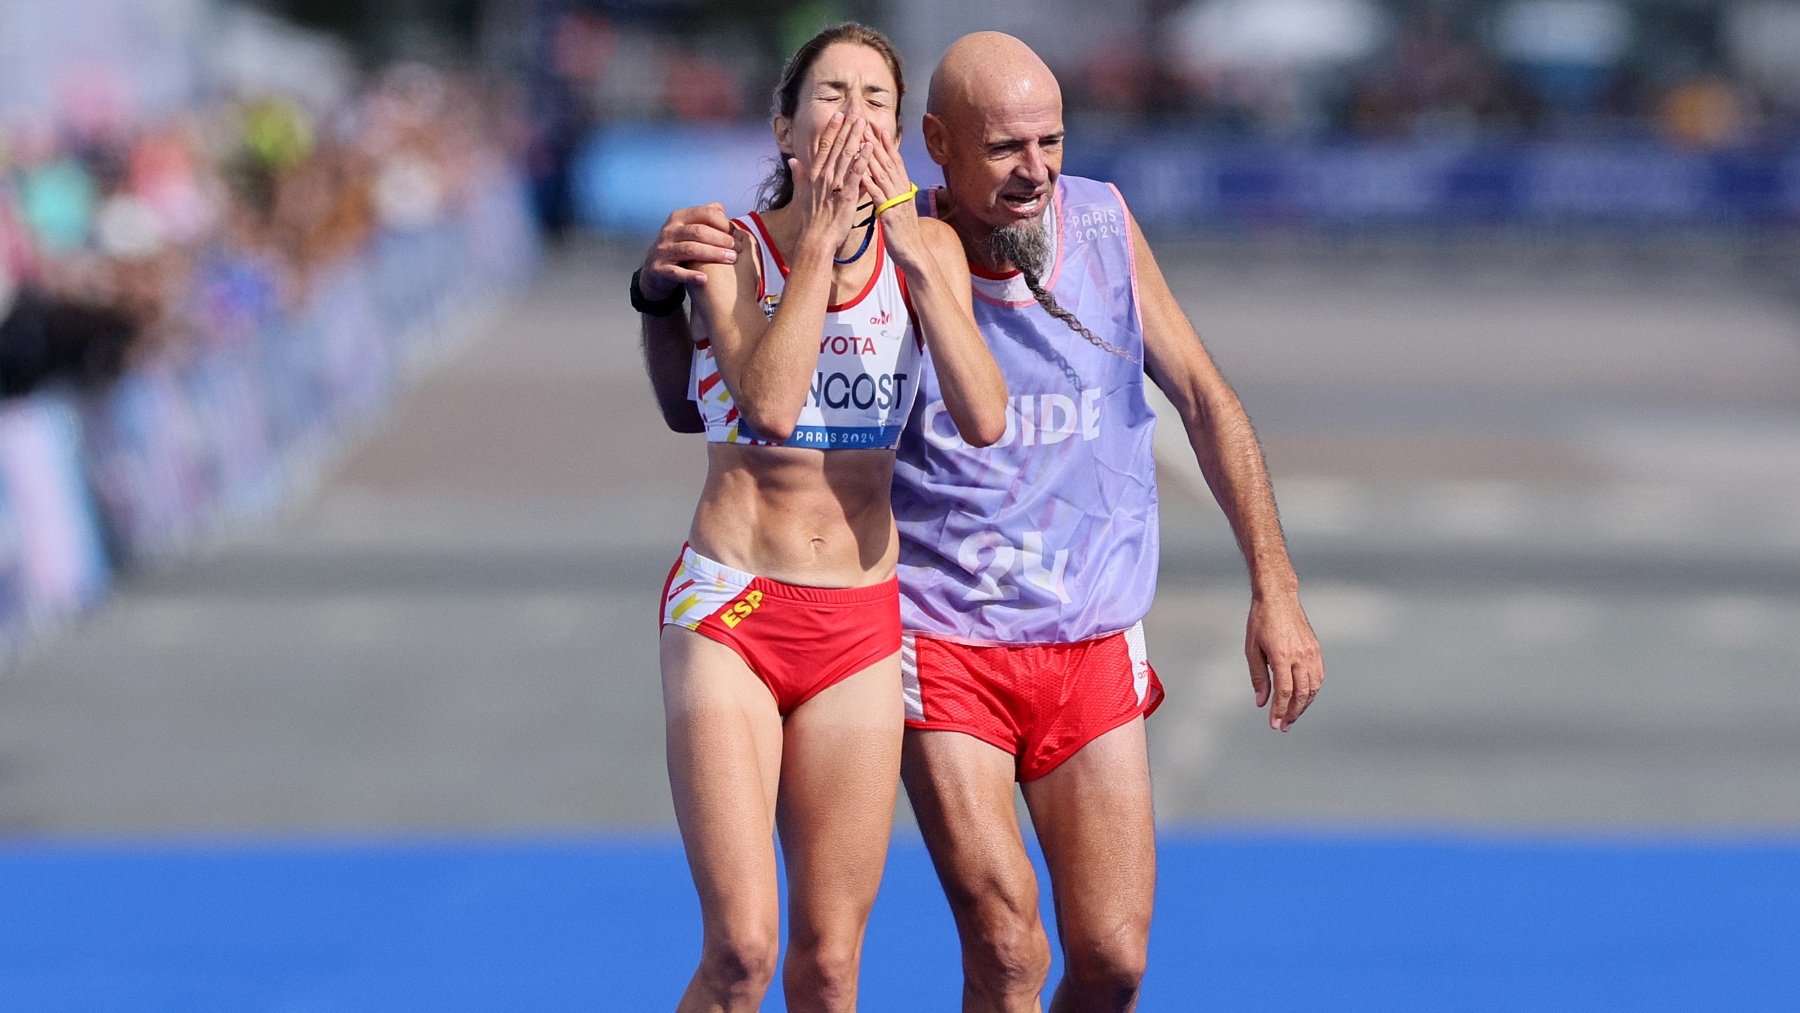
(333, 502)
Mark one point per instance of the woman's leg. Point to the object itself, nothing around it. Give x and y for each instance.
(840, 771)
(725, 756)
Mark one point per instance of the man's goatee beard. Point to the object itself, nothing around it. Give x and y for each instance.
(1025, 245)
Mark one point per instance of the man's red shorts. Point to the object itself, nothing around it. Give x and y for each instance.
(798, 640)
(1039, 702)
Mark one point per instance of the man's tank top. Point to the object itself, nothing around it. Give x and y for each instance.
(870, 361)
(1050, 535)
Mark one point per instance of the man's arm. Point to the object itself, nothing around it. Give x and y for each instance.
(691, 237)
(668, 358)
(1286, 668)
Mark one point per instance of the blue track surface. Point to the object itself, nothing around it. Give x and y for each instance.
(1243, 923)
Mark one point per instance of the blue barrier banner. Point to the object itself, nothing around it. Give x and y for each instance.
(146, 475)
(627, 178)
(287, 384)
(226, 399)
(355, 360)
(12, 574)
(630, 178)
(502, 236)
(59, 550)
(1196, 182)
(182, 446)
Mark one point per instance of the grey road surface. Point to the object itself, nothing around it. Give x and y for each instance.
(1547, 516)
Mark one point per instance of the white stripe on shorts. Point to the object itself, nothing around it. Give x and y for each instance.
(1140, 660)
(700, 587)
(909, 678)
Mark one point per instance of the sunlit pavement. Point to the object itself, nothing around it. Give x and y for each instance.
(1549, 527)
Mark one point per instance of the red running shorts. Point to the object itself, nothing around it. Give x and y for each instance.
(1039, 702)
(798, 640)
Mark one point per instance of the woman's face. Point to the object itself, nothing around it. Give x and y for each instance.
(849, 78)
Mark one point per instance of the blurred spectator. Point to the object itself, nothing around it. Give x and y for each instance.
(1267, 65)
(1436, 82)
(698, 87)
(1703, 111)
(579, 48)
(1699, 76)
(57, 195)
(119, 241)
(1762, 40)
(1566, 51)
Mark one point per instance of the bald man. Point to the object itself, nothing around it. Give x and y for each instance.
(1027, 567)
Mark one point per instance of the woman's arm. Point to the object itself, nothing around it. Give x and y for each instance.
(931, 256)
(768, 365)
(974, 390)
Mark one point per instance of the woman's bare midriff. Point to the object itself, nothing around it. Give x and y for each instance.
(810, 517)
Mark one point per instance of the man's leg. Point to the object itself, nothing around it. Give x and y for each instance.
(961, 790)
(839, 770)
(1094, 819)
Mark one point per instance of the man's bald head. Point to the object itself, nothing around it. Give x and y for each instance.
(988, 67)
(994, 122)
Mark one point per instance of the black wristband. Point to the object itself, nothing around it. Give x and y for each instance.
(664, 307)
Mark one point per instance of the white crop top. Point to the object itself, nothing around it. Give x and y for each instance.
(870, 355)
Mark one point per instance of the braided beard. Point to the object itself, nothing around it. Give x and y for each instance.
(1026, 246)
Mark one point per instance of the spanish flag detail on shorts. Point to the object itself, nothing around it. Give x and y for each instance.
(699, 587)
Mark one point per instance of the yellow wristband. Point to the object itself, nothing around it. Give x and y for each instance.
(911, 192)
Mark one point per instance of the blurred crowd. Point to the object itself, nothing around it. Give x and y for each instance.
(126, 240)
(1693, 75)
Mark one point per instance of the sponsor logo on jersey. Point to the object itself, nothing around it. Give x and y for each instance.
(1091, 223)
(845, 437)
(857, 390)
(847, 344)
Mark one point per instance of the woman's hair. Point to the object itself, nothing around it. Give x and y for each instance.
(778, 188)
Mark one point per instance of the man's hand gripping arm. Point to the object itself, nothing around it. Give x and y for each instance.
(691, 237)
